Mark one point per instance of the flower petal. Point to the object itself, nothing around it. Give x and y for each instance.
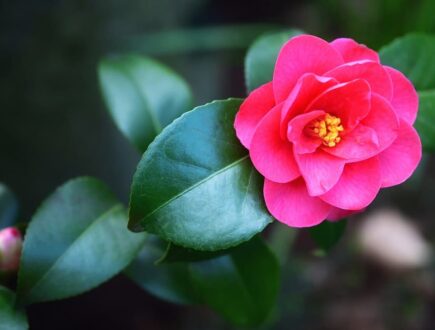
(349, 101)
(271, 155)
(383, 120)
(405, 97)
(320, 170)
(398, 162)
(357, 187)
(302, 143)
(374, 73)
(290, 203)
(259, 102)
(361, 143)
(337, 214)
(308, 88)
(353, 51)
(302, 54)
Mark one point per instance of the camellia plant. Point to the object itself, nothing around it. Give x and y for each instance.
(324, 127)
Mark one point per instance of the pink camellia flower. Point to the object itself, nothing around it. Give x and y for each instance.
(10, 249)
(331, 129)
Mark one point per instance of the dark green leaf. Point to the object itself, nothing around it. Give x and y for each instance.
(328, 233)
(170, 282)
(10, 317)
(175, 253)
(142, 96)
(8, 207)
(242, 286)
(425, 123)
(414, 56)
(261, 57)
(75, 241)
(195, 186)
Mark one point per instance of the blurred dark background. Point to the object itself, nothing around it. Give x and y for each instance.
(54, 126)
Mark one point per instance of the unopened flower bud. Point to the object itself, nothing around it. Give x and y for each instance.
(10, 249)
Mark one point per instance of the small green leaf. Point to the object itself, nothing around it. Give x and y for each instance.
(261, 57)
(8, 207)
(175, 253)
(195, 186)
(242, 286)
(142, 96)
(10, 317)
(75, 241)
(170, 282)
(328, 233)
(425, 123)
(414, 56)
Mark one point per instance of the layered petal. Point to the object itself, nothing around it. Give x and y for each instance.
(302, 54)
(374, 73)
(308, 87)
(271, 155)
(357, 187)
(303, 143)
(349, 101)
(338, 214)
(405, 97)
(398, 162)
(320, 170)
(352, 51)
(259, 102)
(383, 120)
(290, 203)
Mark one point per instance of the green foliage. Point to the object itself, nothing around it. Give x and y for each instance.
(75, 241)
(195, 186)
(328, 233)
(261, 57)
(8, 207)
(241, 285)
(414, 55)
(10, 317)
(170, 282)
(142, 96)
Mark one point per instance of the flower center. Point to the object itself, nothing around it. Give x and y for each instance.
(328, 129)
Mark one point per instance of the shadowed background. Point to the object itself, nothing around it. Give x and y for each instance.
(54, 127)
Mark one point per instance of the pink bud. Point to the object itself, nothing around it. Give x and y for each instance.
(10, 249)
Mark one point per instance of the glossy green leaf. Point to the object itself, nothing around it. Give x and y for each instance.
(328, 233)
(8, 207)
(242, 286)
(75, 241)
(261, 57)
(169, 282)
(414, 56)
(195, 186)
(142, 96)
(425, 123)
(10, 317)
(175, 253)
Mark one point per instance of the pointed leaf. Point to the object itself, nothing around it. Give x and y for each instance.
(425, 123)
(195, 186)
(75, 241)
(142, 96)
(261, 57)
(242, 286)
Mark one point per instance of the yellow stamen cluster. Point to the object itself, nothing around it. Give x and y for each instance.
(328, 129)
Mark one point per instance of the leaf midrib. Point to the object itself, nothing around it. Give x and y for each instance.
(185, 191)
(77, 239)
